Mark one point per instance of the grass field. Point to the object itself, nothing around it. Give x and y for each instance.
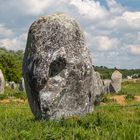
(131, 88)
(109, 121)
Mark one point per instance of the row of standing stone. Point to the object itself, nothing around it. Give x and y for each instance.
(106, 86)
(12, 84)
(113, 85)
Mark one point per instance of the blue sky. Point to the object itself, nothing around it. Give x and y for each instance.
(112, 27)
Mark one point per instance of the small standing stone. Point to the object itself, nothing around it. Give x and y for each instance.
(13, 85)
(98, 87)
(116, 80)
(21, 86)
(2, 82)
(107, 85)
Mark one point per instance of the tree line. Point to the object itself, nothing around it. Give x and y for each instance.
(11, 66)
(107, 72)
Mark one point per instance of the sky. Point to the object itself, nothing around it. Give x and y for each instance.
(111, 27)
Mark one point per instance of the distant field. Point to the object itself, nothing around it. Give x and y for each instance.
(131, 87)
(109, 121)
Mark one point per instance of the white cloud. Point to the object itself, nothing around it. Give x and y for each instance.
(102, 42)
(5, 32)
(89, 9)
(132, 18)
(35, 7)
(16, 43)
(105, 43)
(134, 49)
(109, 30)
(38, 7)
(114, 7)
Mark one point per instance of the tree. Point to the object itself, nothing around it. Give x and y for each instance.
(11, 64)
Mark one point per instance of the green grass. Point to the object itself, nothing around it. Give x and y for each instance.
(130, 88)
(13, 93)
(108, 122)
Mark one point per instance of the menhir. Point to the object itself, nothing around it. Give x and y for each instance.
(57, 68)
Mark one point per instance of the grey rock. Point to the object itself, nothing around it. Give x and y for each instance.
(116, 80)
(2, 82)
(57, 68)
(21, 85)
(107, 86)
(100, 82)
(97, 87)
(12, 85)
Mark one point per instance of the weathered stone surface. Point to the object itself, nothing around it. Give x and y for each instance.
(58, 69)
(107, 85)
(2, 82)
(116, 80)
(97, 87)
(100, 82)
(21, 86)
(12, 85)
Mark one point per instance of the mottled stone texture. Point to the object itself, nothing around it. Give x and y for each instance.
(97, 87)
(2, 83)
(113, 85)
(107, 85)
(21, 86)
(58, 69)
(116, 80)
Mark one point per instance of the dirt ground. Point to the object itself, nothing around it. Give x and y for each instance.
(119, 99)
(137, 98)
(18, 101)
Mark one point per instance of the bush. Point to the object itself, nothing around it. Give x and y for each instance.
(11, 64)
(106, 99)
(130, 96)
(3, 96)
(20, 95)
(122, 92)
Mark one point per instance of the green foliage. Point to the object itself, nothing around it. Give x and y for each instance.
(3, 96)
(104, 71)
(11, 64)
(107, 72)
(130, 96)
(106, 99)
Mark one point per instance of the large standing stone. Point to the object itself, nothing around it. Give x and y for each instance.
(2, 83)
(58, 69)
(116, 80)
(21, 86)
